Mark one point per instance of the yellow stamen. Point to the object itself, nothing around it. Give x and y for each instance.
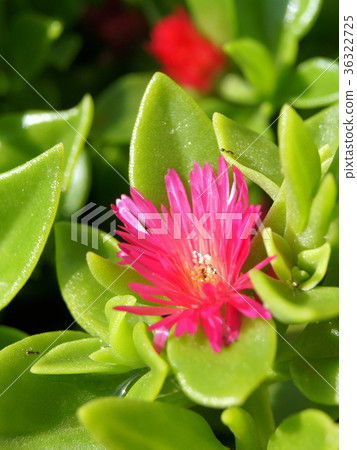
(203, 270)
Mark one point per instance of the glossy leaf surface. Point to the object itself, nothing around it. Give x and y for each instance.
(226, 378)
(255, 156)
(171, 131)
(301, 166)
(310, 429)
(84, 296)
(29, 197)
(315, 83)
(127, 424)
(218, 22)
(290, 305)
(43, 407)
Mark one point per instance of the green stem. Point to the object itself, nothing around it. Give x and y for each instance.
(258, 406)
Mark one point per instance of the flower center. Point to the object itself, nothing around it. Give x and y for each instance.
(203, 270)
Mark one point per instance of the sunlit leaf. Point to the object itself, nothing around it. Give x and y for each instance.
(310, 429)
(29, 197)
(133, 424)
(226, 378)
(171, 131)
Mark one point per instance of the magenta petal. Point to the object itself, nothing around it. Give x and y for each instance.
(146, 310)
(212, 325)
(188, 322)
(192, 253)
(160, 338)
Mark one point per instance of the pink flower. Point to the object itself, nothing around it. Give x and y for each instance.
(193, 255)
(184, 54)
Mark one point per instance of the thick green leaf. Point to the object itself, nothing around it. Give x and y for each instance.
(9, 335)
(258, 406)
(113, 276)
(315, 83)
(319, 344)
(121, 330)
(275, 220)
(255, 156)
(217, 21)
(324, 126)
(319, 340)
(243, 427)
(24, 136)
(300, 15)
(65, 50)
(234, 88)
(29, 197)
(326, 157)
(78, 189)
(73, 357)
(133, 424)
(171, 131)
(310, 430)
(256, 63)
(150, 384)
(38, 32)
(290, 305)
(84, 296)
(117, 107)
(286, 399)
(321, 212)
(43, 406)
(279, 247)
(301, 166)
(321, 387)
(315, 262)
(226, 378)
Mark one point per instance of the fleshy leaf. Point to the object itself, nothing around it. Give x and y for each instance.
(235, 88)
(171, 131)
(323, 127)
(227, 378)
(78, 188)
(217, 21)
(255, 156)
(290, 305)
(121, 330)
(322, 207)
(24, 136)
(243, 427)
(275, 220)
(133, 424)
(315, 262)
(117, 107)
(9, 335)
(73, 357)
(319, 340)
(300, 15)
(29, 197)
(84, 296)
(111, 275)
(107, 355)
(256, 63)
(39, 32)
(321, 387)
(45, 416)
(315, 83)
(310, 429)
(284, 261)
(319, 344)
(149, 385)
(301, 166)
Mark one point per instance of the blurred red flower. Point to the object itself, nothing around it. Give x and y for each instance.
(120, 27)
(185, 55)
